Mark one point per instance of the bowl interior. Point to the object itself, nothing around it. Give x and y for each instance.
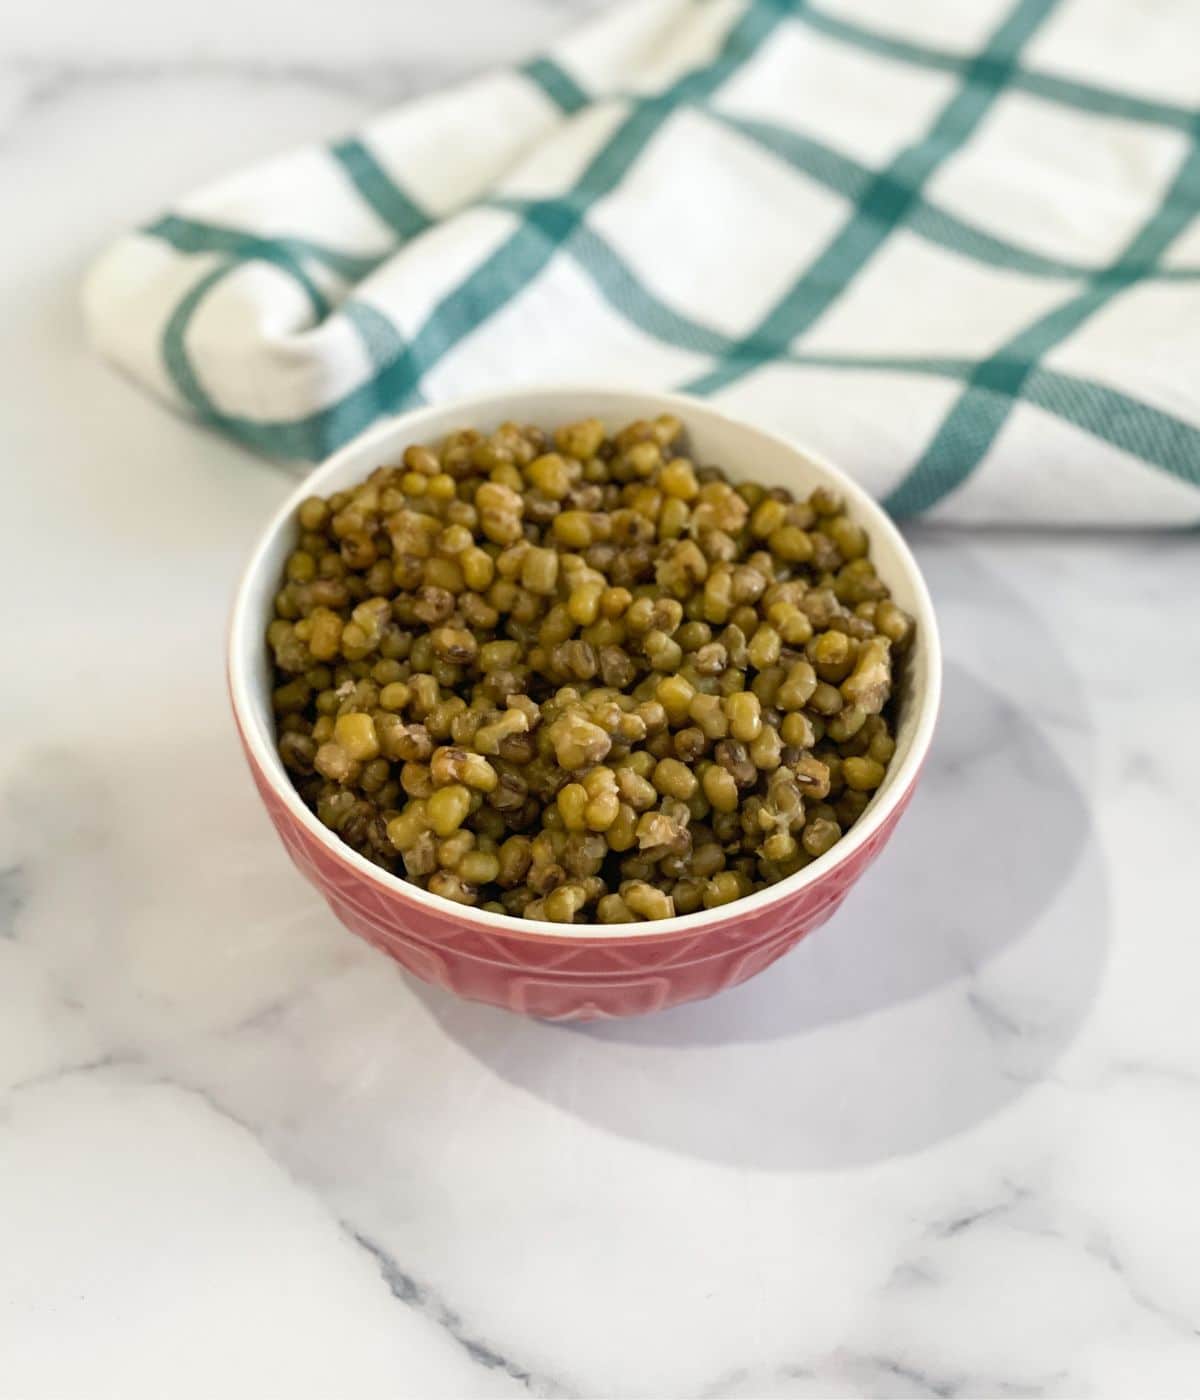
(742, 450)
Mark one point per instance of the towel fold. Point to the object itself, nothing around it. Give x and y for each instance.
(955, 248)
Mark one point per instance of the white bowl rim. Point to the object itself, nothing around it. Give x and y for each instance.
(246, 630)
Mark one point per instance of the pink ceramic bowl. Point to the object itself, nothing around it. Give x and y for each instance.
(582, 971)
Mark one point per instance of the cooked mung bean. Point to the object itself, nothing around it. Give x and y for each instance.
(583, 678)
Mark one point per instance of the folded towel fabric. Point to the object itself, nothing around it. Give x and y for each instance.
(953, 247)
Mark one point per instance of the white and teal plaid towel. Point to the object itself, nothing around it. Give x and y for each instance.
(954, 246)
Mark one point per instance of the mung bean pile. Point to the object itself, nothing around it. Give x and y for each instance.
(576, 677)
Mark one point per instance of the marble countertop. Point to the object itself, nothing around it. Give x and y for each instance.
(948, 1147)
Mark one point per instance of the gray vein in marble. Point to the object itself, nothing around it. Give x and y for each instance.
(996, 1212)
(947, 1229)
(877, 1373)
(418, 1296)
(724, 1383)
(911, 1274)
(265, 1017)
(1100, 1247)
(1145, 774)
(50, 77)
(50, 80)
(109, 1060)
(1176, 1075)
(923, 1381)
(996, 1022)
(14, 892)
(402, 1285)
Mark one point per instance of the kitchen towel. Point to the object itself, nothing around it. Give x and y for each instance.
(954, 247)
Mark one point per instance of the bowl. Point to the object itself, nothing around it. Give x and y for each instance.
(579, 971)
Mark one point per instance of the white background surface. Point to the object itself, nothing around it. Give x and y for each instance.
(948, 1147)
